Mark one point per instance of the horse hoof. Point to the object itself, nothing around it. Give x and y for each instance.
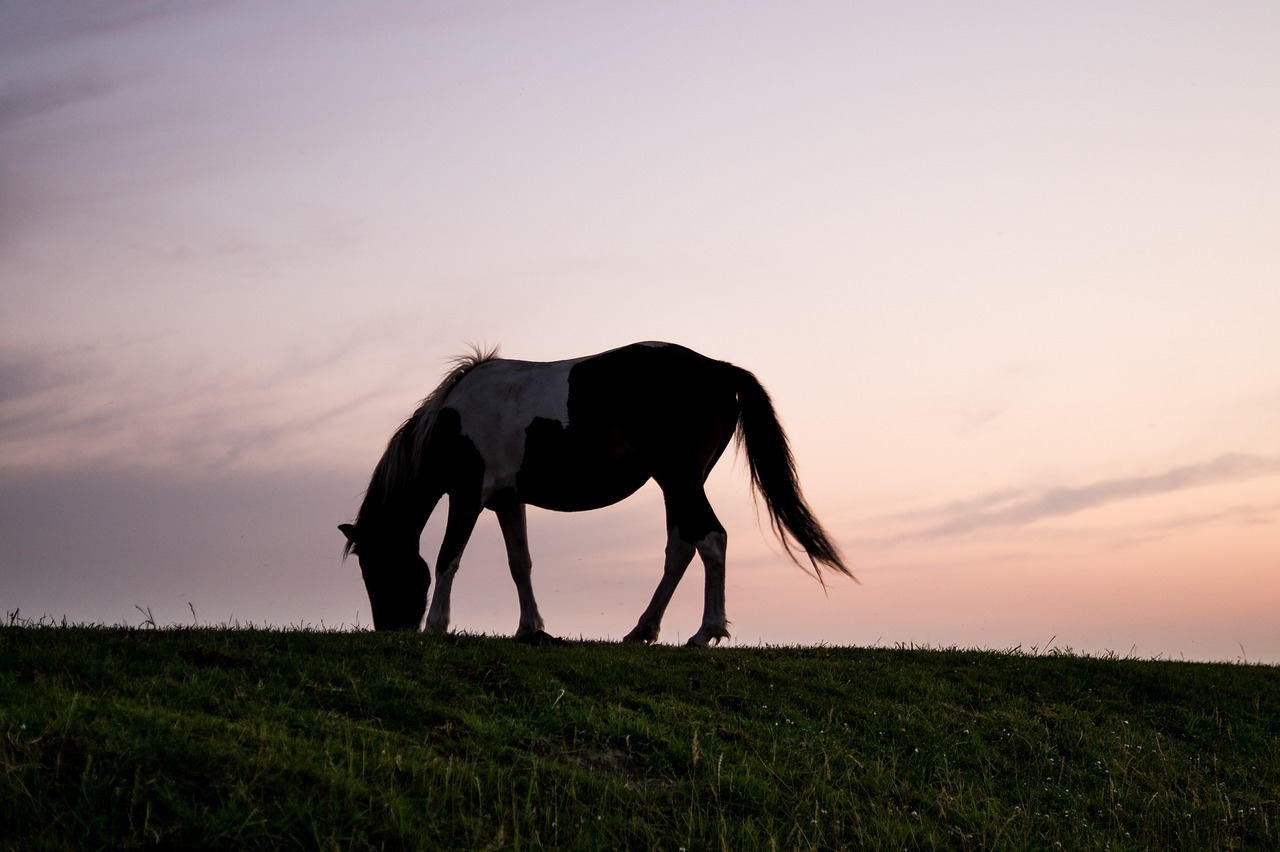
(697, 641)
(540, 637)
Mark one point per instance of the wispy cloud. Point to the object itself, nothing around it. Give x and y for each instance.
(21, 100)
(1017, 508)
(35, 26)
(132, 406)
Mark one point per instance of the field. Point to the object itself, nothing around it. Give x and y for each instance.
(232, 738)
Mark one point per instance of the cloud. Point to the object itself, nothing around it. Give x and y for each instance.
(24, 102)
(21, 100)
(21, 374)
(36, 26)
(1019, 508)
(32, 380)
(142, 404)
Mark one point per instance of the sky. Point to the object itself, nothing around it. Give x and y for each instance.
(1010, 271)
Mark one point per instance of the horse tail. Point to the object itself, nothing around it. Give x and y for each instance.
(773, 476)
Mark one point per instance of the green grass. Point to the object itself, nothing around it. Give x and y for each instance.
(217, 738)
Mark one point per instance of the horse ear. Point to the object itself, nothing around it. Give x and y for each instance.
(349, 531)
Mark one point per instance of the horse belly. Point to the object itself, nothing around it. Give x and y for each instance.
(563, 472)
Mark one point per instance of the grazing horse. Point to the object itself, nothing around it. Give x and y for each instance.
(570, 436)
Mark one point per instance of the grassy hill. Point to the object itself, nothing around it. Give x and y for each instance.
(216, 738)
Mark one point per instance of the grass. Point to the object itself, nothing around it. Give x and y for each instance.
(241, 738)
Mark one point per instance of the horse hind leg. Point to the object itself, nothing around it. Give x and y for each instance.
(692, 527)
(715, 626)
(678, 556)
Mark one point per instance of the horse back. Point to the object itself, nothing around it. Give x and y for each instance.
(585, 433)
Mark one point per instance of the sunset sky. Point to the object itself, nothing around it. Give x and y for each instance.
(1011, 272)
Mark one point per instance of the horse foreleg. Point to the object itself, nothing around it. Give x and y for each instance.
(462, 520)
(511, 517)
(714, 624)
(679, 555)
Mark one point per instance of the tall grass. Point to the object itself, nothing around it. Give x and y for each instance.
(216, 738)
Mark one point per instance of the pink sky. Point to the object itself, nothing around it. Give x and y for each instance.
(1011, 273)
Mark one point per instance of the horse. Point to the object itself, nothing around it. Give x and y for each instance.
(571, 436)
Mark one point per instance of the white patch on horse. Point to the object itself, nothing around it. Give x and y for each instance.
(498, 400)
(711, 550)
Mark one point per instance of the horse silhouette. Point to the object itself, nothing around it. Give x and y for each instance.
(570, 436)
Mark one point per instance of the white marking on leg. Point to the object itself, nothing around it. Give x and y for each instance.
(462, 520)
(438, 615)
(515, 534)
(714, 623)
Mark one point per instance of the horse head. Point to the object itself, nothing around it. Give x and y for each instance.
(395, 576)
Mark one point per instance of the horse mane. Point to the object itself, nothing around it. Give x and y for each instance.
(398, 468)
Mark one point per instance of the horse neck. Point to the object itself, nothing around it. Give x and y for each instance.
(398, 513)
